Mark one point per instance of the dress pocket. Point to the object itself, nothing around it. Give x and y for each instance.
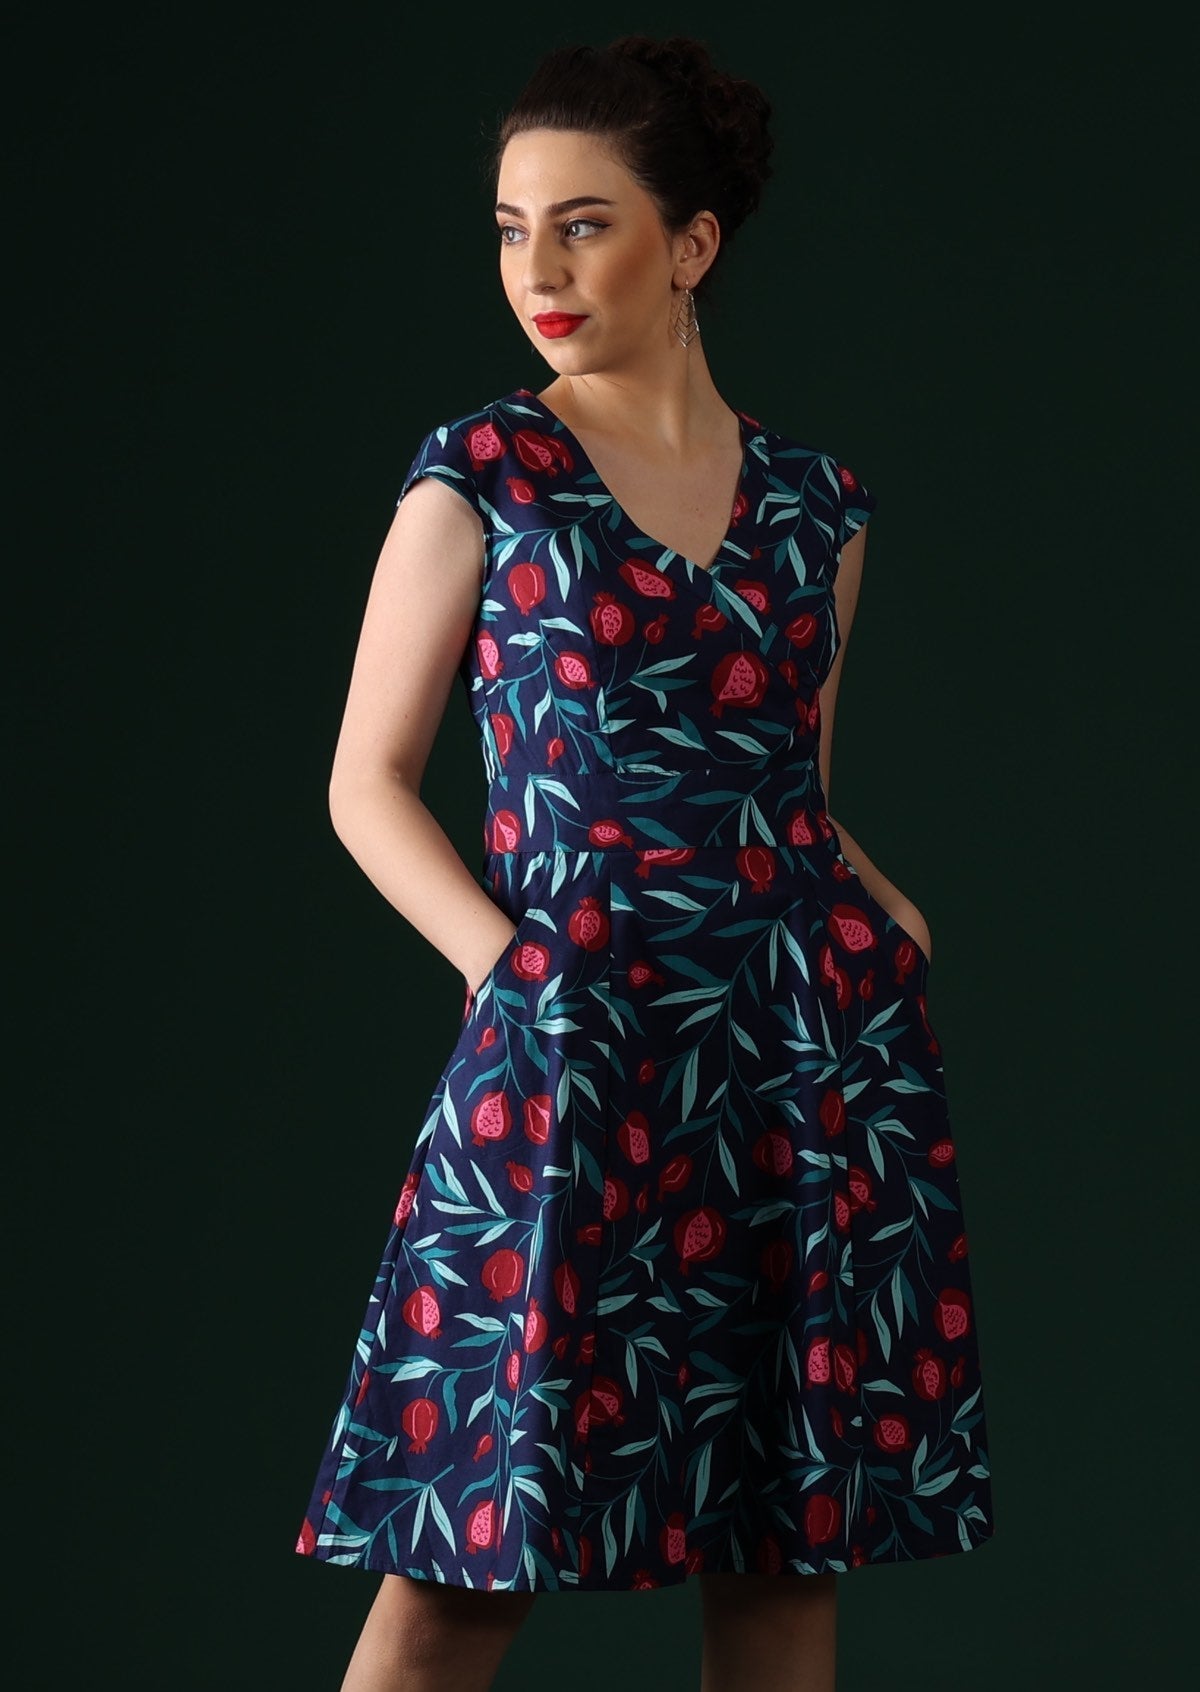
(525, 927)
(885, 923)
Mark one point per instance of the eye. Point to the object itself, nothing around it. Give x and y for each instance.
(573, 223)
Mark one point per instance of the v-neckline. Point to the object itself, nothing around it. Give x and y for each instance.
(690, 564)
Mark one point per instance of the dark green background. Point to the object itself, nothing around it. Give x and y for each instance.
(230, 234)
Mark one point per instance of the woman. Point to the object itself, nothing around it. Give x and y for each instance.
(677, 1283)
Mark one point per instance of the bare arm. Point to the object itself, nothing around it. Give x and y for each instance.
(419, 616)
(846, 591)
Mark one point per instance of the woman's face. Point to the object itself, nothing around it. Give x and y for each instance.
(579, 236)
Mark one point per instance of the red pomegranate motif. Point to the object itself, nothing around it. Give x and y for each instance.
(758, 865)
(480, 1529)
(588, 925)
(655, 628)
(608, 832)
(503, 1272)
(526, 584)
(699, 1236)
(616, 1198)
(851, 929)
(642, 1581)
(822, 1518)
(829, 970)
(775, 1263)
(841, 1212)
(651, 584)
(613, 623)
(848, 478)
(530, 961)
(707, 620)
(538, 451)
(605, 1401)
(802, 630)
(816, 1361)
(772, 1151)
(831, 1112)
(506, 831)
(537, 1329)
(482, 1446)
(404, 1203)
(929, 1377)
(520, 490)
(672, 1540)
(633, 1137)
(905, 957)
(512, 1370)
(768, 1555)
(891, 1432)
(740, 678)
(363, 1388)
(866, 986)
(419, 1419)
(491, 1119)
(756, 594)
(643, 974)
(650, 855)
(566, 1287)
(818, 1279)
(674, 1176)
(845, 1369)
(535, 1117)
(957, 1248)
(555, 747)
(307, 1542)
(503, 729)
(861, 1186)
(520, 1176)
(422, 1312)
(941, 1152)
(952, 1313)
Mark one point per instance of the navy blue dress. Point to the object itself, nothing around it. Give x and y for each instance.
(678, 1277)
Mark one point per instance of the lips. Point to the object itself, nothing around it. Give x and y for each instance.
(555, 324)
(559, 317)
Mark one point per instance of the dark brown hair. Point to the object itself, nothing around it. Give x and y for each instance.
(694, 137)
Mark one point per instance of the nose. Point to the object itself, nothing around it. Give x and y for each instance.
(543, 267)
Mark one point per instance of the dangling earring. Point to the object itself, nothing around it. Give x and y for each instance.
(687, 324)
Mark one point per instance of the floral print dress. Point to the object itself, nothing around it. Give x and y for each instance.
(678, 1277)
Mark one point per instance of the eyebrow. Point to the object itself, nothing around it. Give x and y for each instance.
(559, 205)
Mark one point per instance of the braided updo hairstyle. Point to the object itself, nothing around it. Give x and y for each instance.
(693, 136)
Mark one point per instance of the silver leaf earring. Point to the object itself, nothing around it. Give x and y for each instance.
(687, 324)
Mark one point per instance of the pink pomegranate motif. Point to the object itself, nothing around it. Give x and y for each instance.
(633, 1137)
(740, 678)
(756, 594)
(608, 832)
(612, 623)
(845, 1371)
(503, 1272)
(800, 831)
(484, 444)
(758, 865)
(531, 960)
(419, 1419)
(816, 1361)
(891, 1432)
(941, 1152)
(520, 1176)
(422, 1312)
(775, 1263)
(649, 855)
(773, 1152)
(506, 831)
(503, 729)
(952, 1314)
(616, 1198)
(831, 1112)
(699, 1236)
(802, 630)
(672, 1539)
(566, 1287)
(481, 1526)
(829, 970)
(929, 1375)
(490, 662)
(822, 1518)
(491, 1119)
(404, 1203)
(651, 584)
(574, 670)
(588, 925)
(526, 584)
(850, 927)
(535, 1116)
(537, 1329)
(674, 1176)
(512, 1370)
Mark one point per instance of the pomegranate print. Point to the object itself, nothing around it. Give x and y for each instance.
(677, 1278)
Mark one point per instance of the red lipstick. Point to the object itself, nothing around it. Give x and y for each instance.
(555, 324)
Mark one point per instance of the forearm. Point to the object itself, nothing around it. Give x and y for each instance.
(400, 846)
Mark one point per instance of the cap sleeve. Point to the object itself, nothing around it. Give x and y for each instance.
(855, 504)
(444, 453)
